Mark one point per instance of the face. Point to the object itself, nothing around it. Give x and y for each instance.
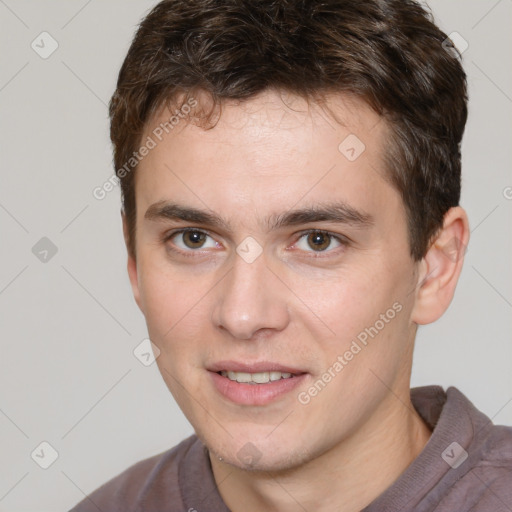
(270, 249)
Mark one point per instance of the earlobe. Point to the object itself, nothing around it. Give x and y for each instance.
(441, 267)
(131, 264)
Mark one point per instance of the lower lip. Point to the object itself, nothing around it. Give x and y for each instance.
(254, 394)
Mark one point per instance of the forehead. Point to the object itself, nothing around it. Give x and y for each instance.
(267, 154)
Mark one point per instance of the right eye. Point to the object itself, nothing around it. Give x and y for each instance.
(188, 240)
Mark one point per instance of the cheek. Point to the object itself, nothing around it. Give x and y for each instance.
(343, 300)
(166, 293)
(363, 305)
(160, 299)
(176, 306)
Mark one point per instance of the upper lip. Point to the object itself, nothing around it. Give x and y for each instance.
(255, 367)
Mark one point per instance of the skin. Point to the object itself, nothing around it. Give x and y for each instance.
(293, 304)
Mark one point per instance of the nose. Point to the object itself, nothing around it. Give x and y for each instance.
(250, 299)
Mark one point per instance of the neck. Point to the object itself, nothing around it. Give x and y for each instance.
(346, 478)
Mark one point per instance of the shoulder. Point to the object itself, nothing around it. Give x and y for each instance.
(147, 485)
(484, 480)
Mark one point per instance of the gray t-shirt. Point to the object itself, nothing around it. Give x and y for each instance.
(465, 466)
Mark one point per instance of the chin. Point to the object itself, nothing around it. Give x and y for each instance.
(259, 454)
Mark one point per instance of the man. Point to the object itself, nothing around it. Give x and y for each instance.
(291, 178)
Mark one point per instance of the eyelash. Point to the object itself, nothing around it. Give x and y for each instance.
(188, 254)
(343, 241)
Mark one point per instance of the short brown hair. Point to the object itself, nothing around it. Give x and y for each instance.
(389, 53)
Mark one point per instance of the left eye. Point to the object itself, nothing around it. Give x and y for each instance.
(192, 239)
(319, 241)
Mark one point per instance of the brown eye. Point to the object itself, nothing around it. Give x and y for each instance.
(318, 240)
(193, 239)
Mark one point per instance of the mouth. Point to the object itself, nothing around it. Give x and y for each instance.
(255, 384)
(256, 378)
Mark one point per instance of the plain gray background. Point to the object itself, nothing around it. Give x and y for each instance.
(68, 375)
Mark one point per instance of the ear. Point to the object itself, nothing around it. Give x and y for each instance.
(132, 264)
(441, 267)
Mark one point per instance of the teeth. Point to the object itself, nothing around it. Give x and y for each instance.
(261, 378)
(255, 378)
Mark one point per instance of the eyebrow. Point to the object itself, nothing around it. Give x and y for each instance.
(338, 212)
